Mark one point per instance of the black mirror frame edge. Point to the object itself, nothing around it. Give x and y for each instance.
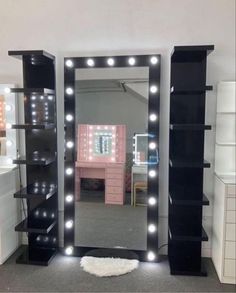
(70, 65)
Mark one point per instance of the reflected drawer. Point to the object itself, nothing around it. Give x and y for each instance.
(231, 190)
(229, 267)
(231, 204)
(114, 189)
(230, 232)
(230, 249)
(114, 182)
(114, 197)
(114, 176)
(115, 170)
(231, 217)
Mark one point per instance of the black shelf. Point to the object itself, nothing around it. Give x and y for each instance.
(36, 226)
(189, 91)
(31, 192)
(197, 127)
(36, 256)
(37, 54)
(190, 53)
(183, 163)
(179, 199)
(41, 160)
(182, 232)
(31, 91)
(30, 126)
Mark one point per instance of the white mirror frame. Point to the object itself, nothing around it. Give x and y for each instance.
(10, 98)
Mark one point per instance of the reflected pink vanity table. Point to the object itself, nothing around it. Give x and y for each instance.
(101, 154)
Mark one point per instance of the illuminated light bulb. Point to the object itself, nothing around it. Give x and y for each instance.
(8, 126)
(69, 198)
(53, 215)
(33, 105)
(110, 61)
(33, 98)
(153, 89)
(152, 145)
(152, 173)
(154, 60)
(152, 228)
(153, 117)
(9, 143)
(90, 150)
(70, 144)
(90, 62)
(7, 90)
(69, 250)
(152, 201)
(69, 171)
(8, 108)
(131, 61)
(90, 158)
(44, 214)
(69, 224)
(69, 91)
(50, 98)
(151, 256)
(69, 117)
(34, 113)
(90, 127)
(42, 98)
(113, 159)
(69, 63)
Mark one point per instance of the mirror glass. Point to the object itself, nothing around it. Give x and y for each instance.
(111, 157)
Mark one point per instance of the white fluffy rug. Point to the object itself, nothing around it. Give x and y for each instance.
(108, 266)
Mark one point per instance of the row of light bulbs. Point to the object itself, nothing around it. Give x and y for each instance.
(111, 61)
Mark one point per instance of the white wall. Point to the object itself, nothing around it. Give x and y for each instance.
(103, 27)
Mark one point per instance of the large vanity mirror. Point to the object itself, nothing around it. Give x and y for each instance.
(111, 154)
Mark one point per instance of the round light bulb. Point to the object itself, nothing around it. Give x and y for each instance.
(33, 98)
(7, 90)
(151, 256)
(152, 145)
(154, 60)
(9, 143)
(9, 161)
(90, 62)
(50, 98)
(69, 63)
(152, 173)
(70, 144)
(8, 126)
(131, 61)
(69, 198)
(69, 171)
(69, 224)
(8, 107)
(69, 91)
(110, 61)
(153, 89)
(152, 201)
(69, 250)
(69, 117)
(153, 117)
(152, 228)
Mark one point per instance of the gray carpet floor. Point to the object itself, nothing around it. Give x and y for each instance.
(102, 225)
(65, 275)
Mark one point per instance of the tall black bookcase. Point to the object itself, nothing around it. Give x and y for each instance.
(40, 126)
(186, 154)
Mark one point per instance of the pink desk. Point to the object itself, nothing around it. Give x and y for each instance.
(111, 168)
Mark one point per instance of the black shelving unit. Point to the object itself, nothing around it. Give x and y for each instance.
(186, 151)
(40, 126)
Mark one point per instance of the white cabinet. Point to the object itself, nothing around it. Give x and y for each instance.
(224, 208)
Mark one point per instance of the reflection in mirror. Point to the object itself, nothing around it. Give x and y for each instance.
(7, 117)
(111, 163)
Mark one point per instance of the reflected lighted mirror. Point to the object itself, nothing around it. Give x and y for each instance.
(111, 157)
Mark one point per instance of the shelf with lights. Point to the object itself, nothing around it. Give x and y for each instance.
(32, 191)
(40, 123)
(186, 153)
